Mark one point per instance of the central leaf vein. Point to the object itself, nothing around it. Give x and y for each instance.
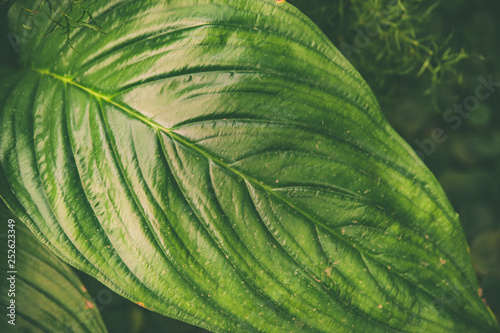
(194, 147)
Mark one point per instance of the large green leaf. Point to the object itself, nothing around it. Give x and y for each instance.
(221, 163)
(41, 292)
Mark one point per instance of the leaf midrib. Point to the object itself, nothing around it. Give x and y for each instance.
(249, 179)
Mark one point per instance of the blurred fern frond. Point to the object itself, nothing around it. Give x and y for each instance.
(65, 15)
(387, 38)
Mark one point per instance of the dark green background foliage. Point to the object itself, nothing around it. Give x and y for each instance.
(420, 60)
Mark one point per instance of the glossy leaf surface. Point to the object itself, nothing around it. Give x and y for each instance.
(221, 163)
